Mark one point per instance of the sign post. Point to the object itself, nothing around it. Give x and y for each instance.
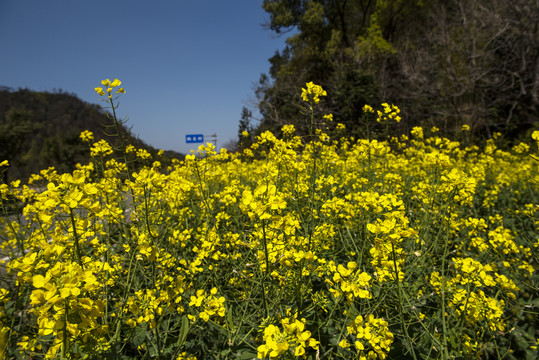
(214, 139)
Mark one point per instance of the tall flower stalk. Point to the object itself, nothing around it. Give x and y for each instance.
(112, 92)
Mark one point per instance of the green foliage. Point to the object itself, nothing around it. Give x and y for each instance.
(40, 130)
(245, 129)
(444, 63)
(14, 129)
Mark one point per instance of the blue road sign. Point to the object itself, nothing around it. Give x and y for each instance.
(194, 138)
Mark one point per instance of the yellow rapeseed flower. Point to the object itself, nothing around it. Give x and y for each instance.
(368, 109)
(115, 83)
(86, 136)
(312, 93)
(109, 87)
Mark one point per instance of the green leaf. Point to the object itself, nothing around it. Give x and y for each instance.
(230, 319)
(184, 330)
(139, 335)
(248, 355)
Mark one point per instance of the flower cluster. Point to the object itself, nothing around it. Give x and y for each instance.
(388, 112)
(294, 338)
(325, 248)
(109, 87)
(211, 304)
(353, 284)
(371, 337)
(312, 93)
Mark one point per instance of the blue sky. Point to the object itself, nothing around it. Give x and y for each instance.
(188, 66)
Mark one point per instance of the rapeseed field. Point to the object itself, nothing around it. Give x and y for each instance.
(318, 247)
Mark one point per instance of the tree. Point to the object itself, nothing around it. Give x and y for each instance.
(244, 128)
(443, 62)
(14, 129)
(342, 45)
(481, 58)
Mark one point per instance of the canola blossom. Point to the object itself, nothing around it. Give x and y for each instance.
(332, 248)
(312, 92)
(109, 87)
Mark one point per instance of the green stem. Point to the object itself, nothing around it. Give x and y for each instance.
(401, 309)
(76, 235)
(313, 183)
(203, 191)
(64, 338)
(311, 203)
(266, 274)
(158, 338)
(146, 216)
(122, 140)
(444, 323)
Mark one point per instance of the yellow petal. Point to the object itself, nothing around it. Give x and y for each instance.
(65, 292)
(39, 281)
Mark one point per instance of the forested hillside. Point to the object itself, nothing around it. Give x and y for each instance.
(444, 63)
(41, 129)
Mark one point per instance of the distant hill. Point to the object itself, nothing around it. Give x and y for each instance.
(41, 129)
